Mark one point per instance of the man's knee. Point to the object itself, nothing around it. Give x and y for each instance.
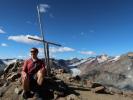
(40, 74)
(40, 77)
(25, 84)
(25, 81)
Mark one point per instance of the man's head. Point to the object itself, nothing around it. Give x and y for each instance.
(34, 52)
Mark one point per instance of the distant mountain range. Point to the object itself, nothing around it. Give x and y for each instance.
(110, 71)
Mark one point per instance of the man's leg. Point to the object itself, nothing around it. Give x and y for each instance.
(25, 84)
(39, 81)
(26, 87)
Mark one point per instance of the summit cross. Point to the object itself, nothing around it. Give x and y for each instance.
(45, 44)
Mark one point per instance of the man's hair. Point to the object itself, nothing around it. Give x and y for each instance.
(36, 50)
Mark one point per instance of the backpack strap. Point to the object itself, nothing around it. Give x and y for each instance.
(36, 66)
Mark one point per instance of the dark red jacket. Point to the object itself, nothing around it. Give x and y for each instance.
(29, 64)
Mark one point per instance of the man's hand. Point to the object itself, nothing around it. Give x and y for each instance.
(24, 75)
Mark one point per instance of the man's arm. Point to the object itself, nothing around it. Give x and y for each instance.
(24, 70)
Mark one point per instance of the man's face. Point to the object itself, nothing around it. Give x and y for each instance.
(33, 53)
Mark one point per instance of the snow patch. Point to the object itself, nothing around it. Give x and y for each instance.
(8, 62)
(90, 60)
(75, 71)
(78, 63)
(115, 59)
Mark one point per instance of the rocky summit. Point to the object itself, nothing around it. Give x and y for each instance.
(97, 78)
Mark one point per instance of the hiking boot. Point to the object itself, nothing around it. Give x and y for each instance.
(37, 96)
(27, 95)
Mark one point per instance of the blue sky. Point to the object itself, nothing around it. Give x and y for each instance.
(84, 28)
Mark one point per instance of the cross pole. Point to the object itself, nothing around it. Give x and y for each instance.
(45, 44)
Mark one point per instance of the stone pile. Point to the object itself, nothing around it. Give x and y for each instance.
(11, 78)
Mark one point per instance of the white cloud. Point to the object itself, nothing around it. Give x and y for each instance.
(24, 39)
(87, 52)
(53, 50)
(22, 57)
(61, 49)
(41, 50)
(4, 44)
(43, 8)
(41, 53)
(2, 31)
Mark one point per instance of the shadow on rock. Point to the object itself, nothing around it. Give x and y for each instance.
(53, 89)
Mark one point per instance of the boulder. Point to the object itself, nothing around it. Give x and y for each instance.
(113, 90)
(18, 90)
(94, 85)
(128, 93)
(61, 71)
(6, 70)
(14, 76)
(72, 97)
(99, 89)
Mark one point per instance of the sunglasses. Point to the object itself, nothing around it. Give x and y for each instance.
(33, 51)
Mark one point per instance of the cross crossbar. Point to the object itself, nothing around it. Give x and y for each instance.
(44, 41)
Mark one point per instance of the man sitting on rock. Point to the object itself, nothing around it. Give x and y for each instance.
(33, 73)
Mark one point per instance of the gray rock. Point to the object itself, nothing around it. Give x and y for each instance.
(94, 85)
(6, 84)
(3, 90)
(18, 90)
(72, 97)
(6, 70)
(99, 89)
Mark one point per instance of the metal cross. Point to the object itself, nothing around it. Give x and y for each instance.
(45, 44)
